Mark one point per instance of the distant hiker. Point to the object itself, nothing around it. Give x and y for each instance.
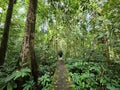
(60, 53)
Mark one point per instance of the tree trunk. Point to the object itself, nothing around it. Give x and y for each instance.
(104, 42)
(4, 41)
(28, 54)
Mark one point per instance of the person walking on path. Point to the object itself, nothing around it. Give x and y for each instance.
(60, 54)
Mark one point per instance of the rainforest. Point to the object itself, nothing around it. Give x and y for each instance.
(59, 44)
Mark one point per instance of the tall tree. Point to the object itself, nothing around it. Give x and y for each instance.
(4, 41)
(28, 53)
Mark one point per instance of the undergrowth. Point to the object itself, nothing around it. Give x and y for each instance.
(92, 75)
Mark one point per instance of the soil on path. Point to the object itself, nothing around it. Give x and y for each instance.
(61, 78)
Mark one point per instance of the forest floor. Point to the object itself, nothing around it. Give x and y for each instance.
(62, 80)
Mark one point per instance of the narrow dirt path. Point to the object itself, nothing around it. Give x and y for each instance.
(61, 78)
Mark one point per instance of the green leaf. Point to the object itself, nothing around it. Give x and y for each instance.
(17, 74)
(26, 70)
(28, 85)
(111, 87)
(9, 86)
(23, 74)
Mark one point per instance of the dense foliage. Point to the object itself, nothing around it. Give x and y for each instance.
(88, 33)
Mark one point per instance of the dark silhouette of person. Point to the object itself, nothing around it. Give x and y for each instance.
(60, 54)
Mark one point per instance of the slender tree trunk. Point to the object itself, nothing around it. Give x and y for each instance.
(105, 47)
(28, 54)
(4, 41)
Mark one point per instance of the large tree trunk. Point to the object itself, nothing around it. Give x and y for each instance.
(28, 54)
(4, 41)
